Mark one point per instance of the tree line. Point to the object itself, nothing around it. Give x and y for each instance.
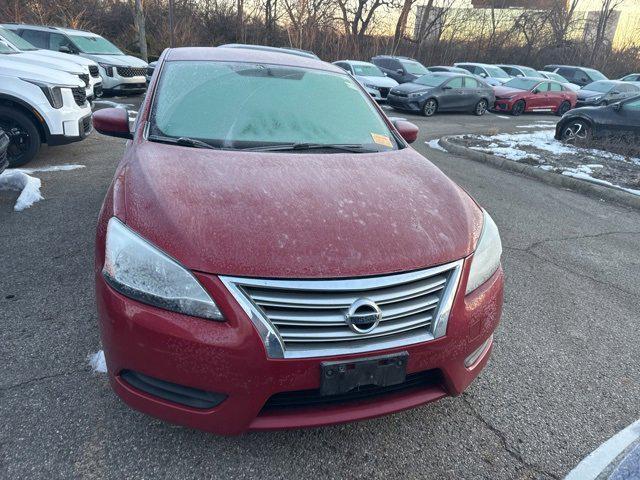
(356, 29)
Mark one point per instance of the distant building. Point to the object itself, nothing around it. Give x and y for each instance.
(523, 4)
(592, 25)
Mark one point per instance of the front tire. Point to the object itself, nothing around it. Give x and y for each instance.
(481, 108)
(518, 108)
(24, 138)
(563, 108)
(576, 132)
(430, 107)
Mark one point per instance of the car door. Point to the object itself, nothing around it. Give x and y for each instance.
(472, 93)
(451, 96)
(395, 70)
(625, 120)
(538, 100)
(556, 95)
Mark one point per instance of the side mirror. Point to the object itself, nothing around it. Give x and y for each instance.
(400, 71)
(484, 75)
(615, 92)
(407, 130)
(535, 91)
(64, 49)
(113, 122)
(447, 87)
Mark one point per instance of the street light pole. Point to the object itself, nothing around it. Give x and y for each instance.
(171, 40)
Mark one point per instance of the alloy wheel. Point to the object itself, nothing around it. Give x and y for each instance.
(19, 139)
(575, 131)
(481, 107)
(429, 108)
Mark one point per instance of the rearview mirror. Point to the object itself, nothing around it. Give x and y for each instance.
(113, 122)
(407, 130)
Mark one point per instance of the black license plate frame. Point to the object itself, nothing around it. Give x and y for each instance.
(340, 377)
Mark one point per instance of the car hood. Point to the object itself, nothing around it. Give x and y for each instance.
(582, 94)
(298, 215)
(118, 60)
(507, 91)
(77, 59)
(410, 87)
(35, 58)
(377, 81)
(13, 66)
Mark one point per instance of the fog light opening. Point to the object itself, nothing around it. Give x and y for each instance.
(477, 353)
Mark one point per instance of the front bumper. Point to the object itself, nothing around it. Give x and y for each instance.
(74, 131)
(405, 103)
(586, 103)
(229, 358)
(502, 105)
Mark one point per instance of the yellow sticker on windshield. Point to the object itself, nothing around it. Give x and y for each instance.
(382, 140)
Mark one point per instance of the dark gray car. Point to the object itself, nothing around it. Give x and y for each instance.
(605, 92)
(442, 92)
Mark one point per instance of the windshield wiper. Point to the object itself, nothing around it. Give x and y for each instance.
(184, 141)
(354, 148)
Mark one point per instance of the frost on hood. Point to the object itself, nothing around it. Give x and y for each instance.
(97, 362)
(19, 181)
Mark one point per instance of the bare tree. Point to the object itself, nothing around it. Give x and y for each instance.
(140, 27)
(604, 18)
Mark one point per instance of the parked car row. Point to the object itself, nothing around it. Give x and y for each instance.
(49, 77)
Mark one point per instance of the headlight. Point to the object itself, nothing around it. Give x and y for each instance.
(417, 94)
(107, 68)
(139, 270)
(486, 258)
(52, 92)
(368, 85)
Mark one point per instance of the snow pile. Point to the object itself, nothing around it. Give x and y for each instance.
(97, 362)
(19, 181)
(54, 168)
(435, 145)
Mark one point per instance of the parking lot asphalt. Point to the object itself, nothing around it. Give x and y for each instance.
(564, 375)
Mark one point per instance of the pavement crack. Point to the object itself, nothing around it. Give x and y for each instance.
(43, 378)
(513, 453)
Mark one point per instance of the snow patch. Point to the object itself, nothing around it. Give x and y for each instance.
(435, 145)
(502, 116)
(53, 168)
(19, 181)
(97, 362)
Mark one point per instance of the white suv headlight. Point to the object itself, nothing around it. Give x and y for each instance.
(486, 258)
(139, 270)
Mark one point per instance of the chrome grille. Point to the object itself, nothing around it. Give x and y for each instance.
(93, 70)
(307, 318)
(85, 78)
(79, 95)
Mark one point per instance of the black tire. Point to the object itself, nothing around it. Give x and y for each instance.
(430, 107)
(518, 108)
(563, 108)
(24, 138)
(481, 108)
(576, 132)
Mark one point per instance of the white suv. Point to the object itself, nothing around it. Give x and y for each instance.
(86, 69)
(121, 74)
(39, 105)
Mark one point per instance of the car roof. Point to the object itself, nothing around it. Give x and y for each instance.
(271, 56)
(398, 57)
(290, 51)
(51, 28)
(356, 62)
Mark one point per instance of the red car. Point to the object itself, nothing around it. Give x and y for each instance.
(273, 254)
(525, 94)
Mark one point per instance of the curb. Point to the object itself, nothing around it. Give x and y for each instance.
(612, 194)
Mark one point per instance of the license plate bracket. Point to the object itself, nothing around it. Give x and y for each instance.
(382, 371)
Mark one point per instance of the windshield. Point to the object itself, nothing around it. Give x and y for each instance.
(602, 87)
(594, 74)
(522, 83)
(4, 48)
(95, 45)
(414, 67)
(246, 105)
(529, 72)
(367, 70)
(16, 40)
(496, 72)
(555, 76)
(431, 80)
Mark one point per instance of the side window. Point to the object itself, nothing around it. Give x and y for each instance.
(556, 87)
(57, 40)
(634, 106)
(343, 66)
(543, 87)
(582, 76)
(455, 83)
(471, 82)
(467, 68)
(37, 38)
(396, 65)
(567, 73)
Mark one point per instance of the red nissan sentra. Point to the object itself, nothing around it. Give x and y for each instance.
(272, 253)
